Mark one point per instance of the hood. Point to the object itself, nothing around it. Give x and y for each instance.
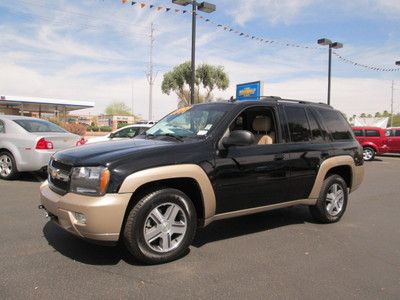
(105, 153)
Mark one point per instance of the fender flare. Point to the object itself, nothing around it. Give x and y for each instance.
(195, 172)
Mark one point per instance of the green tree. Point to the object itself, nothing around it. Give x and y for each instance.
(118, 109)
(378, 115)
(208, 78)
(363, 115)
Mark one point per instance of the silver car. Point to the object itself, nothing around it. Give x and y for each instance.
(26, 144)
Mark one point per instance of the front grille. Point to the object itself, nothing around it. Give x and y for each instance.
(59, 176)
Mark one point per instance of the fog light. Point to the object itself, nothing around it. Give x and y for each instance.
(80, 218)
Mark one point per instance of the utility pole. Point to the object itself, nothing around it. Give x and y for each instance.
(150, 76)
(391, 106)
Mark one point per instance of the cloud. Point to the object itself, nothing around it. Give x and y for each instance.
(271, 11)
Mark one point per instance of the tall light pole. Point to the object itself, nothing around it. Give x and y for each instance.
(332, 45)
(391, 102)
(204, 7)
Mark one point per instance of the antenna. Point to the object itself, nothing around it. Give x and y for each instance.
(150, 74)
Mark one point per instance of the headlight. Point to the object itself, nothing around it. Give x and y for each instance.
(89, 180)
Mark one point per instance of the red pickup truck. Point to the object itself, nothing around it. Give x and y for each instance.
(377, 140)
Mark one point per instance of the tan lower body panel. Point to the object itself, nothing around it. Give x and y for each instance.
(104, 215)
(260, 209)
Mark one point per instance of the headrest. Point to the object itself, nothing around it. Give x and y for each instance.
(262, 123)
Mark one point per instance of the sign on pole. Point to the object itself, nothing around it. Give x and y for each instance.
(250, 90)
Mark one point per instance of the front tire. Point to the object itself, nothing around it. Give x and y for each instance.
(8, 167)
(332, 201)
(160, 227)
(368, 153)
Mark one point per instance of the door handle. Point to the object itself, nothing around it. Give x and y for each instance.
(279, 157)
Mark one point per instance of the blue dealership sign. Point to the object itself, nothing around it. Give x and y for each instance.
(249, 91)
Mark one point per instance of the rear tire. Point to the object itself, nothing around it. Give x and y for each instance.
(8, 167)
(368, 153)
(160, 227)
(332, 201)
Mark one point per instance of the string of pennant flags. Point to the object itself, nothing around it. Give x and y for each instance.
(356, 64)
(226, 28)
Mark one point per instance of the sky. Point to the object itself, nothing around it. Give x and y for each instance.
(98, 50)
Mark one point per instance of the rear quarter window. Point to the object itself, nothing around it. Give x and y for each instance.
(32, 125)
(336, 124)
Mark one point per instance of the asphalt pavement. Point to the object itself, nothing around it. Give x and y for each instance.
(280, 254)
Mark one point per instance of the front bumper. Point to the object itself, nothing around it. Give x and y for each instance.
(104, 214)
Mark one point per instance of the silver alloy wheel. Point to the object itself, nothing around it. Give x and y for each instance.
(334, 200)
(165, 227)
(368, 154)
(5, 165)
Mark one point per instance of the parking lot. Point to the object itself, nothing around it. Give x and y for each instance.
(279, 254)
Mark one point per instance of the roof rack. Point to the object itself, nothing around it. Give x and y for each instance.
(279, 99)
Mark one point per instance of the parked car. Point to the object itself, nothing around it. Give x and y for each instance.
(393, 139)
(372, 139)
(204, 163)
(126, 132)
(26, 144)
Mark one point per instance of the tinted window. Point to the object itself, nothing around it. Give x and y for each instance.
(2, 127)
(127, 132)
(298, 124)
(316, 132)
(397, 133)
(335, 124)
(38, 126)
(358, 132)
(372, 133)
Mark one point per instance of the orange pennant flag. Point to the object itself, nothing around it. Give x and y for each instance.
(142, 5)
(124, 1)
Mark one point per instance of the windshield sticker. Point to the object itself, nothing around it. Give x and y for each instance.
(202, 132)
(181, 110)
(208, 127)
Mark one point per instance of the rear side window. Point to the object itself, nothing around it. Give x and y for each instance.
(298, 124)
(316, 132)
(372, 133)
(2, 127)
(358, 132)
(32, 125)
(397, 133)
(335, 124)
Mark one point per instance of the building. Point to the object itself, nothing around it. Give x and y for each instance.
(115, 121)
(35, 107)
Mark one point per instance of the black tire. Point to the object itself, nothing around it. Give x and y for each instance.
(8, 157)
(368, 153)
(320, 211)
(136, 221)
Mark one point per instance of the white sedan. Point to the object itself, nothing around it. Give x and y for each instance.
(126, 132)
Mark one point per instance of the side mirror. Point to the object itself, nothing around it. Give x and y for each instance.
(238, 138)
(112, 135)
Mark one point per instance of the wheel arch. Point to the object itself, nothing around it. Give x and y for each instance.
(190, 179)
(343, 166)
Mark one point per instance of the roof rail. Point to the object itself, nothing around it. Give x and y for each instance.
(279, 99)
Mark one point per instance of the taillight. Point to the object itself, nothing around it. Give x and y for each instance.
(81, 142)
(44, 144)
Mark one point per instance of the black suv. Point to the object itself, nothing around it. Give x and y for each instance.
(204, 163)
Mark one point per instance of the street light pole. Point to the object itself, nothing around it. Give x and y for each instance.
(194, 12)
(335, 45)
(204, 7)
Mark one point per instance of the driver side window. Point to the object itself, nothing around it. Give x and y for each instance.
(260, 121)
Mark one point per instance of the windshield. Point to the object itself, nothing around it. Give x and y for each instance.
(190, 121)
(38, 126)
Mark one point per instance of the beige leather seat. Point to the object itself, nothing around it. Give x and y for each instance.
(262, 127)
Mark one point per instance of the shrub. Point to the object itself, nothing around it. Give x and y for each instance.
(78, 129)
(105, 128)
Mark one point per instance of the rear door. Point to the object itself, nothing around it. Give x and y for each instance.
(393, 140)
(308, 145)
(374, 136)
